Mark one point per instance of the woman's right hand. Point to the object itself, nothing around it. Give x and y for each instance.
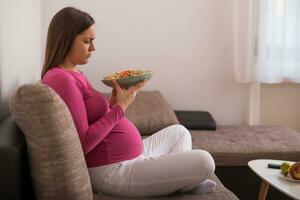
(124, 97)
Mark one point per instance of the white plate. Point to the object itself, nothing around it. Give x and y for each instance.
(288, 177)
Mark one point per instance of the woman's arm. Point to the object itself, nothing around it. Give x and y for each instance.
(72, 94)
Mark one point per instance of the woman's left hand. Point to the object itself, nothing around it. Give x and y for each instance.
(133, 91)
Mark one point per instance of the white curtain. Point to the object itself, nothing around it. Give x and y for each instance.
(244, 40)
(271, 42)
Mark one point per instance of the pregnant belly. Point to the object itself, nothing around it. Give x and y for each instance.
(125, 138)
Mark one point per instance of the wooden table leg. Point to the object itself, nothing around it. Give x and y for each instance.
(263, 190)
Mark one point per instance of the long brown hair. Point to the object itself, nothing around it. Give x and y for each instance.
(63, 28)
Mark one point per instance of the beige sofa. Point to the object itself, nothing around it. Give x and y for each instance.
(56, 161)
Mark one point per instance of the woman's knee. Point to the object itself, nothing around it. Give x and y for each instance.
(180, 130)
(204, 160)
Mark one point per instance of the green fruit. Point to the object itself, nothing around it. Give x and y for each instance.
(285, 167)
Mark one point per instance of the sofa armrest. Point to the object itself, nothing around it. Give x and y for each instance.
(196, 120)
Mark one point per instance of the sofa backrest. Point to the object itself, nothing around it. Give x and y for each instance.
(57, 165)
(150, 112)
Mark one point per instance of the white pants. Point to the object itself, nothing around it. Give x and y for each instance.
(167, 165)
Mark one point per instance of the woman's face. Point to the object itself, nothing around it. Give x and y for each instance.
(82, 47)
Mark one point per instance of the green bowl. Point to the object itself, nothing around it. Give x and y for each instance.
(129, 81)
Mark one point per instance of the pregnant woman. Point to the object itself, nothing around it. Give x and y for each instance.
(119, 161)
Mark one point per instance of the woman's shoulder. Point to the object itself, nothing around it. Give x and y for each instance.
(62, 78)
(57, 74)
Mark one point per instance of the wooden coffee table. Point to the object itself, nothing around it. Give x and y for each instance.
(273, 177)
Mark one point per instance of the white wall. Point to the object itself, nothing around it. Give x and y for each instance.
(188, 44)
(20, 46)
(280, 105)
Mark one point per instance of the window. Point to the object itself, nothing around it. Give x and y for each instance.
(278, 41)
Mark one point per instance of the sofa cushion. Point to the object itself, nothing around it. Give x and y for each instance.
(196, 120)
(220, 192)
(57, 165)
(237, 145)
(150, 112)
